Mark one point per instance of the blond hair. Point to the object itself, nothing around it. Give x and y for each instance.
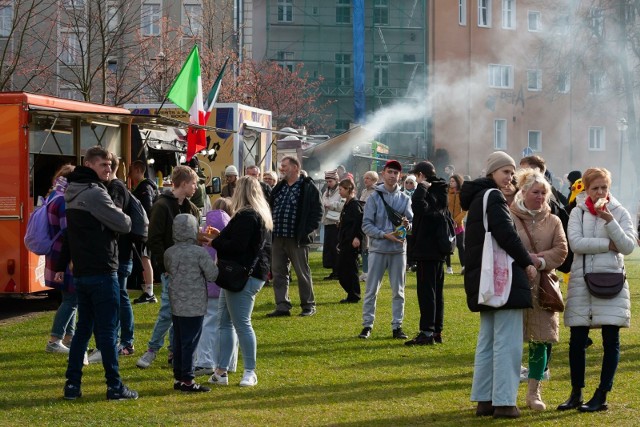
(371, 174)
(182, 174)
(592, 174)
(248, 194)
(527, 178)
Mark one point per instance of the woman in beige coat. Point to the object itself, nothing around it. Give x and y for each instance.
(530, 210)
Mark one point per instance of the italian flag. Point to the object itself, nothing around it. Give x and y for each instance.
(213, 93)
(186, 93)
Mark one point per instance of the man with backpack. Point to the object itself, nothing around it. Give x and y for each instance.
(93, 225)
(386, 212)
(145, 190)
(430, 223)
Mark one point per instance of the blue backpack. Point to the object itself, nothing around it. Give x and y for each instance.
(38, 238)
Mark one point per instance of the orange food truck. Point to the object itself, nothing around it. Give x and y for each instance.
(40, 134)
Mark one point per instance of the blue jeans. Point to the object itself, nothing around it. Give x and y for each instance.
(98, 310)
(163, 322)
(208, 350)
(126, 313)
(64, 322)
(496, 373)
(235, 316)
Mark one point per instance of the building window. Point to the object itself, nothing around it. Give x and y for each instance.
(381, 12)
(500, 134)
(70, 93)
(381, 70)
(343, 69)
(509, 14)
(564, 82)
(562, 24)
(535, 140)
(70, 50)
(192, 19)
(112, 17)
(6, 19)
(534, 80)
(151, 14)
(342, 124)
(500, 76)
(596, 138)
(462, 12)
(343, 11)
(285, 10)
(73, 4)
(596, 82)
(597, 21)
(285, 60)
(484, 13)
(535, 21)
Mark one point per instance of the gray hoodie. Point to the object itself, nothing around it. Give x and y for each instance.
(376, 224)
(189, 267)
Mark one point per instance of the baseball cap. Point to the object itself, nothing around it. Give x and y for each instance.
(393, 164)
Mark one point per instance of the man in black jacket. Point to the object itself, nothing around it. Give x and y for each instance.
(297, 211)
(93, 225)
(428, 201)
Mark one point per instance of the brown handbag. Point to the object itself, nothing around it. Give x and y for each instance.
(549, 293)
(603, 285)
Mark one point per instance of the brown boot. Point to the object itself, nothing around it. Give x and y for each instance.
(534, 401)
(484, 409)
(506, 412)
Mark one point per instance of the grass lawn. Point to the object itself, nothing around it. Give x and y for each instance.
(311, 371)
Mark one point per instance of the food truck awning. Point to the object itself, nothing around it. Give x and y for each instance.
(354, 136)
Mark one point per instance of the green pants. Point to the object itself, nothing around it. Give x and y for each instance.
(539, 355)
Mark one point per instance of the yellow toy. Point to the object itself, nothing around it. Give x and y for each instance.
(576, 188)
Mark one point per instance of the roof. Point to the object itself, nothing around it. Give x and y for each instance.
(53, 103)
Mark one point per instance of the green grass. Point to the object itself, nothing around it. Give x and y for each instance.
(311, 371)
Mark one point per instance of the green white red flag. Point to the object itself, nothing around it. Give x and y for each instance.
(213, 93)
(186, 93)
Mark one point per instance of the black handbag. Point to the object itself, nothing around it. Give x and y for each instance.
(394, 216)
(232, 276)
(604, 285)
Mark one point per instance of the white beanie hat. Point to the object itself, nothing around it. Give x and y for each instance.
(411, 178)
(231, 170)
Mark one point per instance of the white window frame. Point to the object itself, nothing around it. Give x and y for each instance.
(534, 16)
(342, 69)
(597, 138)
(534, 80)
(73, 4)
(462, 12)
(342, 5)
(563, 79)
(484, 13)
(500, 134)
(509, 14)
(285, 11)
(596, 82)
(112, 17)
(6, 19)
(192, 25)
(150, 17)
(285, 59)
(70, 47)
(380, 9)
(498, 73)
(70, 93)
(381, 70)
(596, 15)
(534, 136)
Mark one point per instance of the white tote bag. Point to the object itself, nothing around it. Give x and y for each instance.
(496, 273)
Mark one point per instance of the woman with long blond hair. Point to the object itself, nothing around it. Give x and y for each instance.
(245, 240)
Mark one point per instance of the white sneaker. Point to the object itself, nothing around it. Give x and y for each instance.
(249, 379)
(56, 347)
(363, 277)
(146, 359)
(85, 360)
(219, 379)
(449, 270)
(95, 357)
(524, 374)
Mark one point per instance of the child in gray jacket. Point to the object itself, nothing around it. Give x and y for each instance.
(189, 267)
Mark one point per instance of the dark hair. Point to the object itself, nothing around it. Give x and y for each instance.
(139, 166)
(96, 152)
(535, 161)
(458, 179)
(291, 160)
(347, 184)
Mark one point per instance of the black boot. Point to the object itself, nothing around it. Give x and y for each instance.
(574, 401)
(597, 403)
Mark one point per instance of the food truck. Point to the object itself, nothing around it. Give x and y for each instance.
(40, 134)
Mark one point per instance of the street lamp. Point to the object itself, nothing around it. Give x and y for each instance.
(163, 71)
(622, 127)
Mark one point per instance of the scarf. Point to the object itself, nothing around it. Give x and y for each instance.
(591, 206)
(523, 208)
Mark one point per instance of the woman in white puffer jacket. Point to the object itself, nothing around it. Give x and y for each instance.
(601, 237)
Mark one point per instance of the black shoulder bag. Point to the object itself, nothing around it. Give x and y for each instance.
(394, 216)
(232, 276)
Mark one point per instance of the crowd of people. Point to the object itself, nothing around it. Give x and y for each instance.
(266, 223)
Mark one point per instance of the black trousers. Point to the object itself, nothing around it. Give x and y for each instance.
(186, 334)
(347, 269)
(430, 278)
(460, 246)
(577, 355)
(329, 247)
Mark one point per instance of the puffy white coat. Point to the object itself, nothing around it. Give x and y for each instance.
(590, 235)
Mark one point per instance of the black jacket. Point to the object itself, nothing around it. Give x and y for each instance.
(146, 192)
(350, 224)
(241, 239)
(121, 197)
(426, 203)
(93, 226)
(503, 230)
(309, 211)
(163, 211)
